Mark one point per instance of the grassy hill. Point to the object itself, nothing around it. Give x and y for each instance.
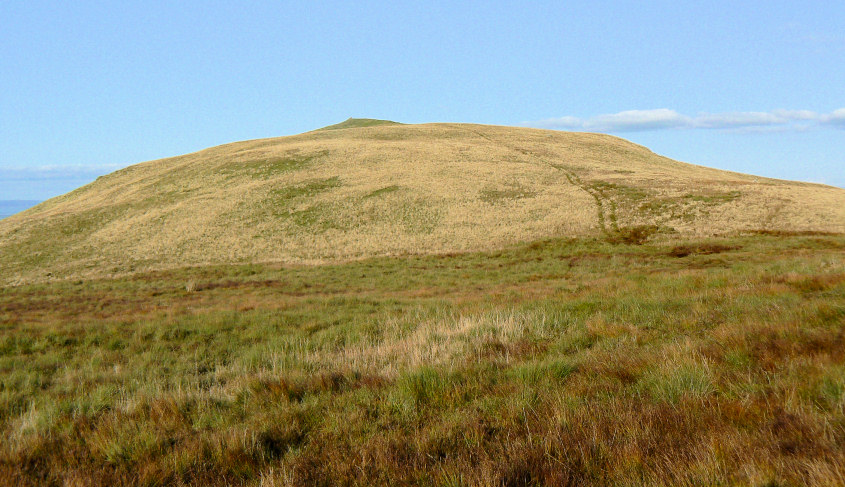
(488, 306)
(367, 188)
(359, 122)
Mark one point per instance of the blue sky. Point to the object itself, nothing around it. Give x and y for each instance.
(88, 87)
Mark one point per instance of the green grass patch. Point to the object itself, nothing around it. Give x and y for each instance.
(685, 381)
(502, 195)
(352, 123)
(713, 197)
(534, 373)
(382, 191)
(305, 190)
(268, 168)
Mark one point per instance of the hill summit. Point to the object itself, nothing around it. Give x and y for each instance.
(350, 123)
(368, 187)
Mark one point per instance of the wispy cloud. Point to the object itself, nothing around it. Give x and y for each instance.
(836, 117)
(661, 118)
(664, 118)
(55, 172)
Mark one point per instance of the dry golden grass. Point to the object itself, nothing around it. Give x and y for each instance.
(558, 362)
(337, 195)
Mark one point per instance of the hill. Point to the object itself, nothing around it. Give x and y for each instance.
(483, 317)
(350, 123)
(375, 188)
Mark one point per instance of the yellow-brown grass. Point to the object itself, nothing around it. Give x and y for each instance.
(556, 362)
(328, 196)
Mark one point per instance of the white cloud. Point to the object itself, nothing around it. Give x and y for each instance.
(836, 117)
(797, 114)
(660, 118)
(737, 119)
(664, 118)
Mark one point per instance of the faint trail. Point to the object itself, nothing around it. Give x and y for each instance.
(598, 196)
(605, 206)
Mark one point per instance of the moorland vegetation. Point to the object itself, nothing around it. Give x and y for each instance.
(445, 304)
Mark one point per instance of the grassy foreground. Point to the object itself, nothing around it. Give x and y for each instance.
(561, 362)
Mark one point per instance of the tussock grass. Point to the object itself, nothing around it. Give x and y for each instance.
(558, 362)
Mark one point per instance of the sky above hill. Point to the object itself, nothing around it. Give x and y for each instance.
(89, 87)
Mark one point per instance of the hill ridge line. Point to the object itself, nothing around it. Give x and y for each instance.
(340, 195)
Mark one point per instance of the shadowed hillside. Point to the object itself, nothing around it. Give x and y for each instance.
(369, 187)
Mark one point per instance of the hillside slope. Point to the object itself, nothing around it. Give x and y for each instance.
(390, 189)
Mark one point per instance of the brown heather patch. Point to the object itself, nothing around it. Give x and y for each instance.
(795, 233)
(700, 249)
(816, 283)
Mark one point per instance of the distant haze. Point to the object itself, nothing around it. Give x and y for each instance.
(10, 207)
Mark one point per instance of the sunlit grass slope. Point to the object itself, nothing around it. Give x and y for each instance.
(359, 122)
(368, 188)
